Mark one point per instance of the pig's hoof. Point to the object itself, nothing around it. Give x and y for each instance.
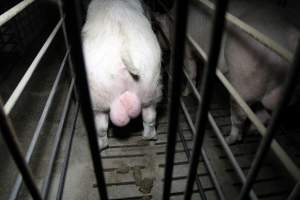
(186, 91)
(103, 143)
(233, 139)
(150, 135)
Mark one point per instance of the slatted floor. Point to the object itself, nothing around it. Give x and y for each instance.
(127, 154)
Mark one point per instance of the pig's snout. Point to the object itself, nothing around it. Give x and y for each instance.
(125, 107)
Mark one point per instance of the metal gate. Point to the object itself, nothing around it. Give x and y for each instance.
(70, 23)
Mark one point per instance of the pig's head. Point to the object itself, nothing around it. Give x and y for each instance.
(124, 108)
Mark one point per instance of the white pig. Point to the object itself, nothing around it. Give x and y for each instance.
(123, 60)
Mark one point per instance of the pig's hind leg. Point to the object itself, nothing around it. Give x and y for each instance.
(101, 120)
(238, 118)
(149, 122)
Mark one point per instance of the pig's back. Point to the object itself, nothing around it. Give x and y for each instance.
(254, 69)
(112, 28)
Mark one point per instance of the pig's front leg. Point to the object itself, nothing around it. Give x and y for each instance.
(237, 119)
(101, 119)
(149, 120)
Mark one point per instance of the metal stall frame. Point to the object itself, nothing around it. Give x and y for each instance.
(286, 161)
(69, 22)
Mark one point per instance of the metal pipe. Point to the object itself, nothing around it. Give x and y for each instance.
(67, 156)
(73, 33)
(66, 41)
(207, 88)
(25, 79)
(264, 147)
(37, 132)
(9, 14)
(57, 140)
(185, 147)
(14, 148)
(174, 85)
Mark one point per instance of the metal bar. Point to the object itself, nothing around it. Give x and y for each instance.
(58, 136)
(263, 39)
(295, 194)
(12, 143)
(9, 14)
(174, 84)
(67, 45)
(73, 33)
(264, 147)
(207, 88)
(67, 156)
(203, 153)
(25, 79)
(37, 132)
(221, 139)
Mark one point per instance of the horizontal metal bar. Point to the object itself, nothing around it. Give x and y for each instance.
(67, 156)
(73, 29)
(174, 84)
(25, 79)
(57, 140)
(203, 152)
(39, 127)
(14, 148)
(263, 39)
(221, 139)
(263, 149)
(9, 14)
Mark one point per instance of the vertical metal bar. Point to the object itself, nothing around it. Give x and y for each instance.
(295, 194)
(207, 88)
(12, 143)
(203, 152)
(174, 85)
(58, 137)
(73, 32)
(188, 155)
(264, 147)
(67, 157)
(67, 44)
